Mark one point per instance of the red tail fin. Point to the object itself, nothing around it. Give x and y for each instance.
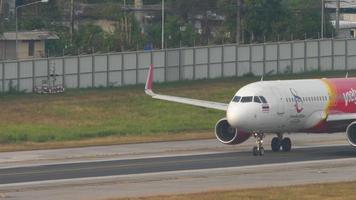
(149, 82)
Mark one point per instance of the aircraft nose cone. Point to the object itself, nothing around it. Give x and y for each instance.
(232, 115)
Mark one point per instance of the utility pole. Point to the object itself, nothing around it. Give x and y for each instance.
(1, 5)
(71, 21)
(238, 21)
(162, 39)
(322, 18)
(337, 21)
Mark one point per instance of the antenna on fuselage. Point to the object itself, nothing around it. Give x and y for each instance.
(347, 75)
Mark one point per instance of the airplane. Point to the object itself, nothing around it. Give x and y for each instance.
(283, 106)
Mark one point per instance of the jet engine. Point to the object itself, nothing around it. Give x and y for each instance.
(351, 133)
(229, 135)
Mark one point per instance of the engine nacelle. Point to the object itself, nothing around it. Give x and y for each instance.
(229, 135)
(351, 133)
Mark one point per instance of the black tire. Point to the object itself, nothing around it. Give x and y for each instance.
(276, 144)
(286, 144)
(255, 151)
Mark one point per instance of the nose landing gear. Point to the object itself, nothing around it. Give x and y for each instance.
(258, 150)
(279, 143)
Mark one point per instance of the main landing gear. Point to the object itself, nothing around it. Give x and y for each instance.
(279, 143)
(258, 150)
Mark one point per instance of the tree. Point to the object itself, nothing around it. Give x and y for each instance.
(306, 18)
(128, 33)
(265, 18)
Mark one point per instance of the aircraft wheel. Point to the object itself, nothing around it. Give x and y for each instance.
(286, 144)
(276, 144)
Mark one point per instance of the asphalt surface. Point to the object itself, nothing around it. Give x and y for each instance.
(166, 164)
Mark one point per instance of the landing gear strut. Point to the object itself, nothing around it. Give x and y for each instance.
(279, 143)
(258, 150)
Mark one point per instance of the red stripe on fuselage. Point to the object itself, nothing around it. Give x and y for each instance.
(342, 99)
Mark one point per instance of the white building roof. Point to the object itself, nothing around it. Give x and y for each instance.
(345, 24)
(343, 4)
(29, 35)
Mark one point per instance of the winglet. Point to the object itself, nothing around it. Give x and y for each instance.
(347, 75)
(149, 82)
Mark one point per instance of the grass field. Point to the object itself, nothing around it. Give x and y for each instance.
(118, 113)
(332, 191)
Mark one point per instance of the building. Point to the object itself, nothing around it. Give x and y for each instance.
(31, 44)
(347, 29)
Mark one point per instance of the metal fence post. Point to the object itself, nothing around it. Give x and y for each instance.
(319, 54)
(237, 60)
(346, 54)
(165, 65)
(278, 56)
(332, 54)
(208, 62)
(33, 75)
(264, 58)
(222, 61)
(3, 77)
(305, 56)
(180, 64)
(122, 69)
(78, 72)
(107, 70)
(250, 58)
(136, 54)
(151, 59)
(93, 71)
(18, 75)
(292, 57)
(48, 68)
(194, 62)
(64, 72)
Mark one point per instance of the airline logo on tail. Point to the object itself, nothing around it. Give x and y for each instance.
(297, 99)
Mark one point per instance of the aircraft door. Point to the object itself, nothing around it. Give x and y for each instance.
(279, 102)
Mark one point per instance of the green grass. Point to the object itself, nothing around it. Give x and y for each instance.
(331, 191)
(96, 113)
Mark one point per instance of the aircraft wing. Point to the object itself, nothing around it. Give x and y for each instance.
(183, 100)
(341, 117)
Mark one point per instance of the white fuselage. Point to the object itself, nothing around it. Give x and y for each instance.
(291, 106)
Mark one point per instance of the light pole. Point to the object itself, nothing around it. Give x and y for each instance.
(337, 22)
(322, 18)
(16, 23)
(162, 39)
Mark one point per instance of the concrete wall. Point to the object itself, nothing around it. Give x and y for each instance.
(130, 68)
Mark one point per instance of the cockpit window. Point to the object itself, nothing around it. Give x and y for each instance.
(246, 99)
(256, 99)
(236, 99)
(263, 99)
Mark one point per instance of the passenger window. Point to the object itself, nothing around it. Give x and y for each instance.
(256, 99)
(263, 99)
(236, 99)
(246, 99)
